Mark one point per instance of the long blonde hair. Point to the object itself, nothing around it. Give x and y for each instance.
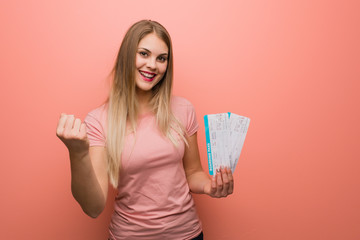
(122, 102)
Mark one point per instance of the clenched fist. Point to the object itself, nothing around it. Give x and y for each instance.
(72, 132)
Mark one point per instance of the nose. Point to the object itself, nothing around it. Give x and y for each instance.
(151, 63)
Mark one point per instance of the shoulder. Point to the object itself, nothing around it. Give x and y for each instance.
(95, 122)
(177, 101)
(185, 112)
(181, 106)
(98, 114)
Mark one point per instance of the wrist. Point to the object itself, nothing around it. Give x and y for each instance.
(78, 154)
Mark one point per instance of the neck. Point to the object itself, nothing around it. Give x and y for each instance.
(143, 99)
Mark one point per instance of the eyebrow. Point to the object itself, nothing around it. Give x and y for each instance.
(150, 51)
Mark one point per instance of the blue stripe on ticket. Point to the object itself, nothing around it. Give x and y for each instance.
(208, 145)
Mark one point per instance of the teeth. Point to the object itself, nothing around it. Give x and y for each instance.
(147, 75)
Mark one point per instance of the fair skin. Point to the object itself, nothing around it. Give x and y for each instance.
(151, 64)
(89, 179)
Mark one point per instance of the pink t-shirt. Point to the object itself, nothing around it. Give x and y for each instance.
(153, 200)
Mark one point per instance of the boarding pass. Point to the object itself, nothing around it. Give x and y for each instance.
(225, 135)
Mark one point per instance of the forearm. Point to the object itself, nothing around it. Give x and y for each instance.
(85, 186)
(220, 185)
(197, 181)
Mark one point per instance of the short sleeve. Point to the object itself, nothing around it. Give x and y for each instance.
(192, 124)
(95, 128)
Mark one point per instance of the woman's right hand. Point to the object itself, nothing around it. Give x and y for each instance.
(72, 132)
(89, 182)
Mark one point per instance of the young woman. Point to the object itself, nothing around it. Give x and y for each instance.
(143, 142)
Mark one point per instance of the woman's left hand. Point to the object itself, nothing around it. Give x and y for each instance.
(221, 184)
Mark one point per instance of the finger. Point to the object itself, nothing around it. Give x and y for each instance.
(213, 186)
(231, 181)
(219, 184)
(225, 180)
(82, 133)
(69, 122)
(61, 124)
(76, 127)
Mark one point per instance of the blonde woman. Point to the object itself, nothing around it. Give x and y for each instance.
(143, 142)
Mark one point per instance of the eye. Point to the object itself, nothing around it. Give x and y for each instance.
(162, 59)
(144, 54)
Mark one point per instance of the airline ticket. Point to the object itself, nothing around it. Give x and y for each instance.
(225, 136)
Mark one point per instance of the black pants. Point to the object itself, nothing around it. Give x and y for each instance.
(200, 237)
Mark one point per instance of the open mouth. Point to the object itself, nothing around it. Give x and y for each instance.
(147, 76)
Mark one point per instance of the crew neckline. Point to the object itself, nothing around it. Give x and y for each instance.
(145, 114)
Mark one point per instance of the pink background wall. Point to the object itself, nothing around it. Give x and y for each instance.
(293, 67)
